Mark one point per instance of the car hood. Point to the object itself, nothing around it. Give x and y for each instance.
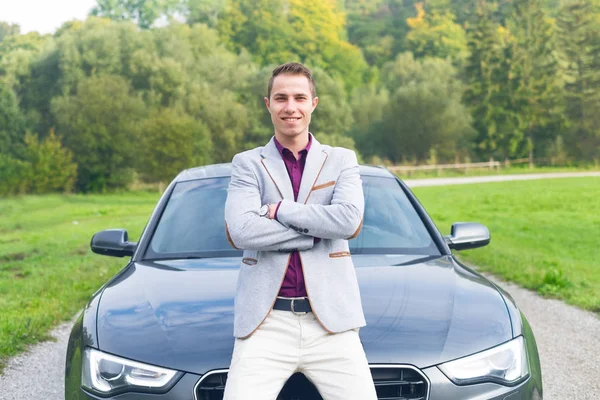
(419, 310)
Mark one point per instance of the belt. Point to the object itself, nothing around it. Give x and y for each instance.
(299, 305)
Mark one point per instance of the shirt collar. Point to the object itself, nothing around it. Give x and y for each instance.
(280, 148)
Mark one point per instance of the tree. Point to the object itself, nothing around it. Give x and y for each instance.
(579, 51)
(52, 168)
(378, 27)
(99, 123)
(204, 11)
(333, 115)
(309, 31)
(7, 30)
(12, 123)
(14, 173)
(172, 141)
(488, 92)
(435, 34)
(536, 90)
(424, 113)
(368, 104)
(143, 12)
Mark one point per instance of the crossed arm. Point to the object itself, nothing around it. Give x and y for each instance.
(248, 230)
(342, 219)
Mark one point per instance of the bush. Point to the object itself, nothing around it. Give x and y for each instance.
(52, 169)
(13, 175)
(47, 168)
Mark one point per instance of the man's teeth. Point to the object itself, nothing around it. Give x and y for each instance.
(291, 119)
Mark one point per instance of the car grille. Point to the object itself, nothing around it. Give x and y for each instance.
(391, 383)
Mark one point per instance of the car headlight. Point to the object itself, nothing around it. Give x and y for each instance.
(506, 364)
(106, 374)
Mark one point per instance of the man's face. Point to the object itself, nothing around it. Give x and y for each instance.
(291, 105)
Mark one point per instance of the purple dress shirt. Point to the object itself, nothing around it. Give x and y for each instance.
(293, 282)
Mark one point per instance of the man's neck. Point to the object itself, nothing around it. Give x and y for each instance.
(294, 144)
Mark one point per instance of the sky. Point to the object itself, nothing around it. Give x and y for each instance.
(43, 16)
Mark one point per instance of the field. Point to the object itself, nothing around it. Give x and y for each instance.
(47, 271)
(545, 233)
(544, 236)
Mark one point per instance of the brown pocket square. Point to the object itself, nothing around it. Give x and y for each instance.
(339, 254)
(323, 185)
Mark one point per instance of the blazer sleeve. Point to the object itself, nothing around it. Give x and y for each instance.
(342, 219)
(246, 229)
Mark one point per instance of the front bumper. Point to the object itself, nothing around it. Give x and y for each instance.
(441, 388)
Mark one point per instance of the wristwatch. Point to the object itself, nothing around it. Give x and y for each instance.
(264, 211)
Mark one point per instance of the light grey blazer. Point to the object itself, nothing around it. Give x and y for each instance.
(330, 206)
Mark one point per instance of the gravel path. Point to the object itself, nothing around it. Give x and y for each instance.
(567, 337)
(39, 371)
(495, 178)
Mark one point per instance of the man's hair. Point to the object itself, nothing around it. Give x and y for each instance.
(293, 68)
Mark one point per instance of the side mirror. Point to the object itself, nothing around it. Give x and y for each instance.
(112, 242)
(468, 235)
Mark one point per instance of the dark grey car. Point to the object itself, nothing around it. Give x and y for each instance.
(162, 327)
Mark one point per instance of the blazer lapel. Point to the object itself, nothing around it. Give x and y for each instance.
(315, 160)
(275, 168)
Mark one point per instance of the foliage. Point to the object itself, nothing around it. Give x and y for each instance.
(536, 88)
(487, 69)
(7, 30)
(436, 34)
(276, 31)
(52, 168)
(14, 173)
(127, 86)
(378, 27)
(368, 104)
(99, 123)
(12, 122)
(204, 11)
(144, 12)
(172, 141)
(578, 34)
(424, 111)
(333, 115)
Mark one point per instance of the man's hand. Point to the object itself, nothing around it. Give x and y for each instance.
(272, 208)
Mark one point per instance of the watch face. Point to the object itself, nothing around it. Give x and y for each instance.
(264, 210)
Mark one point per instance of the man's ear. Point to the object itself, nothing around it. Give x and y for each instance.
(267, 103)
(315, 101)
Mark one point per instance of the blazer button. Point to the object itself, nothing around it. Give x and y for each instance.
(305, 230)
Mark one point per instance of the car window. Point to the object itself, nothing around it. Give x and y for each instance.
(193, 222)
(391, 223)
(193, 225)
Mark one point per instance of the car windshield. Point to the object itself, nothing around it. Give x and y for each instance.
(193, 224)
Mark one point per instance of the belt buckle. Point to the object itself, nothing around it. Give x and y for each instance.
(297, 312)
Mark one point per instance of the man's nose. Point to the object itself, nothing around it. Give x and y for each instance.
(289, 106)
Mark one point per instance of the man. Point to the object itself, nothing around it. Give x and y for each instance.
(291, 206)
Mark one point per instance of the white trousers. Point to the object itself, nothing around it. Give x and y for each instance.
(286, 343)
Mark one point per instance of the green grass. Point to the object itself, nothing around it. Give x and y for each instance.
(517, 169)
(545, 233)
(47, 271)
